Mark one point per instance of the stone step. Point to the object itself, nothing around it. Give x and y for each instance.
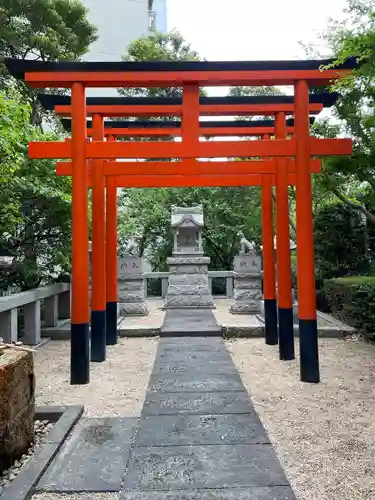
(190, 323)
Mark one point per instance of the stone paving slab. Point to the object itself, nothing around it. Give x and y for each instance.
(192, 340)
(195, 382)
(200, 430)
(189, 344)
(265, 493)
(217, 367)
(93, 458)
(190, 322)
(198, 467)
(186, 355)
(195, 403)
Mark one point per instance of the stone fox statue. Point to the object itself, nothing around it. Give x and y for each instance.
(246, 246)
(132, 248)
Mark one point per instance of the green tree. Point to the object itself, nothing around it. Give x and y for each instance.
(45, 30)
(341, 245)
(35, 204)
(158, 47)
(227, 211)
(351, 179)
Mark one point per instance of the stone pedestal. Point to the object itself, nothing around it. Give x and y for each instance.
(247, 292)
(17, 404)
(188, 285)
(131, 287)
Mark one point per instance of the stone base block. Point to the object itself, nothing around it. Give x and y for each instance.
(243, 295)
(247, 284)
(189, 269)
(188, 260)
(17, 404)
(131, 296)
(248, 307)
(189, 301)
(134, 308)
(188, 284)
(247, 292)
(188, 290)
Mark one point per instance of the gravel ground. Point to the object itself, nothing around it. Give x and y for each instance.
(41, 428)
(117, 386)
(324, 434)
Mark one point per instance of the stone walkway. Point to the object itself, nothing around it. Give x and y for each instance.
(190, 322)
(198, 438)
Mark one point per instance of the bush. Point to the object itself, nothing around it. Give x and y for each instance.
(341, 243)
(352, 299)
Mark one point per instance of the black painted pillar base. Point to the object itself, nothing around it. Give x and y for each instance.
(308, 341)
(98, 335)
(111, 316)
(79, 354)
(286, 334)
(270, 321)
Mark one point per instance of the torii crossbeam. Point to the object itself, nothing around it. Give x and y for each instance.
(190, 76)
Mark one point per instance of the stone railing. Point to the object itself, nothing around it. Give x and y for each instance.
(56, 304)
(226, 276)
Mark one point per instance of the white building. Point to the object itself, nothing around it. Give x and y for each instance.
(119, 22)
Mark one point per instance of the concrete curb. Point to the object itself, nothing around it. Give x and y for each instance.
(22, 487)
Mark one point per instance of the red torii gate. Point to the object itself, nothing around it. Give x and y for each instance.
(190, 76)
(260, 127)
(236, 128)
(286, 327)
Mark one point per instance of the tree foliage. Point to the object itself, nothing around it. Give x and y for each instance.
(341, 246)
(159, 47)
(45, 30)
(227, 211)
(35, 204)
(351, 179)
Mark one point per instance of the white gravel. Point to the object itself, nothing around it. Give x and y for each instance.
(41, 428)
(324, 434)
(117, 386)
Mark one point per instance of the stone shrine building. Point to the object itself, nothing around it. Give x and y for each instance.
(188, 285)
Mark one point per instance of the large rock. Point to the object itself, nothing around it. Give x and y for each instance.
(17, 404)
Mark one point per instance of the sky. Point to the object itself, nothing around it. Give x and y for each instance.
(227, 30)
(249, 29)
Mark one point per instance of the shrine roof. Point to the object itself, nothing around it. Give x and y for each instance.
(181, 214)
(150, 124)
(49, 101)
(18, 67)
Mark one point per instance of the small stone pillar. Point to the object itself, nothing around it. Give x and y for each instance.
(247, 291)
(131, 287)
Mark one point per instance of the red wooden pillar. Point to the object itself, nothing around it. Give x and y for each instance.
(269, 288)
(308, 331)
(111, 258)
(98, 286)
(284, 275)
(190, 117)
(79, 342)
